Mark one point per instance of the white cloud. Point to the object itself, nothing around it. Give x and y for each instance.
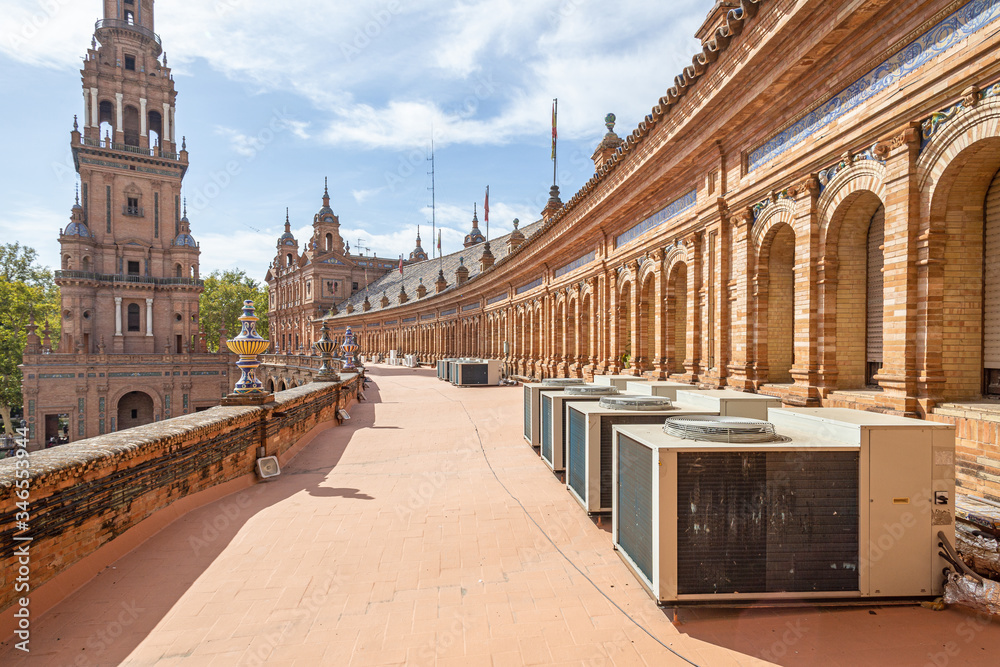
(361, 196)
(483, 72)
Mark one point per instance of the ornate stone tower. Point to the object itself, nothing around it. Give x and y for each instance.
(130, 265)
(129, 275)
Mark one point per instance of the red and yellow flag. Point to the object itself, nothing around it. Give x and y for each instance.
(555, 109)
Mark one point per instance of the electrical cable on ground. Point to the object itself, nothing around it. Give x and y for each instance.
(555, 546)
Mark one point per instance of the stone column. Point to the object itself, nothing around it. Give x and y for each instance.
(805, 369)
(149, 317)
(95, 118)
(142, 116)
(118, 316)
(86, 109)
(120, 128)
(658, 345)
(635, 298)
(898, 375)
(166, 123)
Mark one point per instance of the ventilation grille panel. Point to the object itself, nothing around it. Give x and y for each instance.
(708, 428)
(562, 382)
(590, 390)
(636, 403)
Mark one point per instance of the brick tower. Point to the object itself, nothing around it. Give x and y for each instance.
(129, 275)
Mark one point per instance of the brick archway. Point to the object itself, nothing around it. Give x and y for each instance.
(955, 171)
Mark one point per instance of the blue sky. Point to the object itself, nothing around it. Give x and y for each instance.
(353, 91)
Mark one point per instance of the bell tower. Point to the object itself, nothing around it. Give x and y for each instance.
(132, 351)
(129, 261)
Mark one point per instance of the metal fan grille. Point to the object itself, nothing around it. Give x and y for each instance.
(720, 429)
(637, 403)
(562, 382)
(590, 390)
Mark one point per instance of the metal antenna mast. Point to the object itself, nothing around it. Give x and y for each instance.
(433, 199)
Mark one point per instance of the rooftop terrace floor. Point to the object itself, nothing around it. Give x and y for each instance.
(425, 531)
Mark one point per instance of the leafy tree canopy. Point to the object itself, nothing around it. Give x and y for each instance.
(26, 288)
(222, 303)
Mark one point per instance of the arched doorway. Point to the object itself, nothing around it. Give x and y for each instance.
(858, 304)
(647, 352)
(779, 324)
(134, 409)
(677, 317)
(625, 327)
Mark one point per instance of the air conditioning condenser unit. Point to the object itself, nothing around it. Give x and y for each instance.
(814, 503)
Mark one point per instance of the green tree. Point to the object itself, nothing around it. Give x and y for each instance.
(222, 302)
(26, 288)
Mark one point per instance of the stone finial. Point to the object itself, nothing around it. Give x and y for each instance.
(440, 284)
(462, 272)
(553, 205)
(487, 260)
(421, 289)
(249, 345)
(516, 238)
(609, 144)
(349, 348)
(326, 349)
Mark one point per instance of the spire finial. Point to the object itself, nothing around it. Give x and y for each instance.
(76, 126)
(77, 193)
(326, 186)
(184, 143)
(185, 207)
(288, 222)
(609, 122)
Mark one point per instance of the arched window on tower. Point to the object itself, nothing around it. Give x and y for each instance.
(86, 264)
(106, 117)
(67, 262)
(155, 128)
(133, 317)
(329, 242)
(178, 271)
(131, 126)
(288, 259)
(129, 17)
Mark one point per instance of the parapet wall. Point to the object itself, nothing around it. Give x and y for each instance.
(84, 495)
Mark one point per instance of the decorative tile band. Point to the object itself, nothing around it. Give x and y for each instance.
(496, 299)
(450, 311)
(672, 209)
(471, 306)
(576, 264)
(951, 31)
(134, 375)
(57, 376)
(204, 372)
(388, 322)
(931, 125)
(827, 175)
(428, 316)
(410, 319)
(530, 286)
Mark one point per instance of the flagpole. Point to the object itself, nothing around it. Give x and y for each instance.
(555, 115)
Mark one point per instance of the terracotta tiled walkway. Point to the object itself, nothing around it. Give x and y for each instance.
(390, 541)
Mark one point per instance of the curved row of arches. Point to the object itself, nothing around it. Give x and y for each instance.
(878, 284)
